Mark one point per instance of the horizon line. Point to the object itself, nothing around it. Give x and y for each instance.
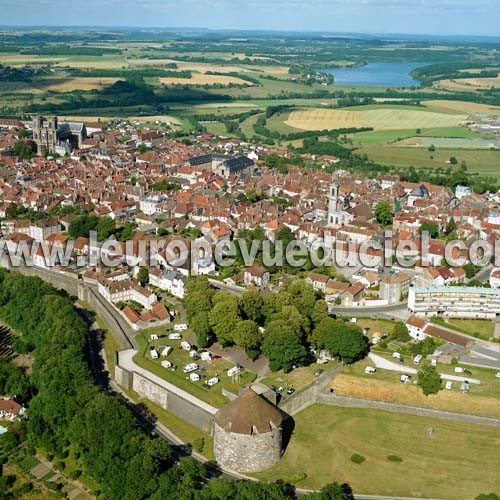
(246, 30)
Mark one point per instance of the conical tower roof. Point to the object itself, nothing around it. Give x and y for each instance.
(249, 413)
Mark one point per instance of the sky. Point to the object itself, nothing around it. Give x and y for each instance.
(437, 17)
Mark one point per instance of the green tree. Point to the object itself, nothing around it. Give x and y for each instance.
(247, 335)
(332, 491)
(488, 496)
(303, 297)
(274, 303)
(298, 322)
(200, 324)
(320, 311)
(24, 150)
(424, 347)
(429, 380)
(81, 226)
(383, 213)
(286, 236)
(105, 228)
(143, 276)
(451, 226)
(400, 332)
(431, 227)
(341, 339)
(282, 346)
(251, 305)
(224, 318)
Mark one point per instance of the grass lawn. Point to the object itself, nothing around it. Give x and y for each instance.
(459, 461)
(179, 357)
(482, 327)
(384, 385)
(380, 325)
(298, 378)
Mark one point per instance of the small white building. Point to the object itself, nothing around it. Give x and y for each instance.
(495, 278)
(461, 191)
(416, 327)
(10, 409)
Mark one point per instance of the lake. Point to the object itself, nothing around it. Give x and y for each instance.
(376, 75)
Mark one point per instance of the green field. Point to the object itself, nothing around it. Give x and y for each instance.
(449, 143)
(478, 161)
(380, 117)
(389, 136)
(216, 128)
(459, 461)
(247, 125)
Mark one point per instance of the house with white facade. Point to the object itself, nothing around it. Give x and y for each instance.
(125, 290)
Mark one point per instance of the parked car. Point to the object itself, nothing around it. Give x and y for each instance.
(396, 355)
(212, 381)
(191, 367)
(180, 327)
(175, 336)
(417, 359)
(291, 390)
(449, 384)
(467, 372)
(370, 369)
(497, 374)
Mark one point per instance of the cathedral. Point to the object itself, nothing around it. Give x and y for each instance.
(53, 137)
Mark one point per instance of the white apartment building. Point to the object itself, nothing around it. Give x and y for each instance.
(455, 301)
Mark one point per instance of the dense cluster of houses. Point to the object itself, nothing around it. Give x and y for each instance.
(215, 187)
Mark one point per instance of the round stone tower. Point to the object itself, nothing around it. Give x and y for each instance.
(247, 434)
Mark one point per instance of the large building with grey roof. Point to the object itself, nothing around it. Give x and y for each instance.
(54, 137)
(223, 165)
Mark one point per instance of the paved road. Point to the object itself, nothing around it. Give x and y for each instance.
(381, 362)
(483, 275)
(385, 364)
(394, 310)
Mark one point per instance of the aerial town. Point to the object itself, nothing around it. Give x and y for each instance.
(210, 295)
